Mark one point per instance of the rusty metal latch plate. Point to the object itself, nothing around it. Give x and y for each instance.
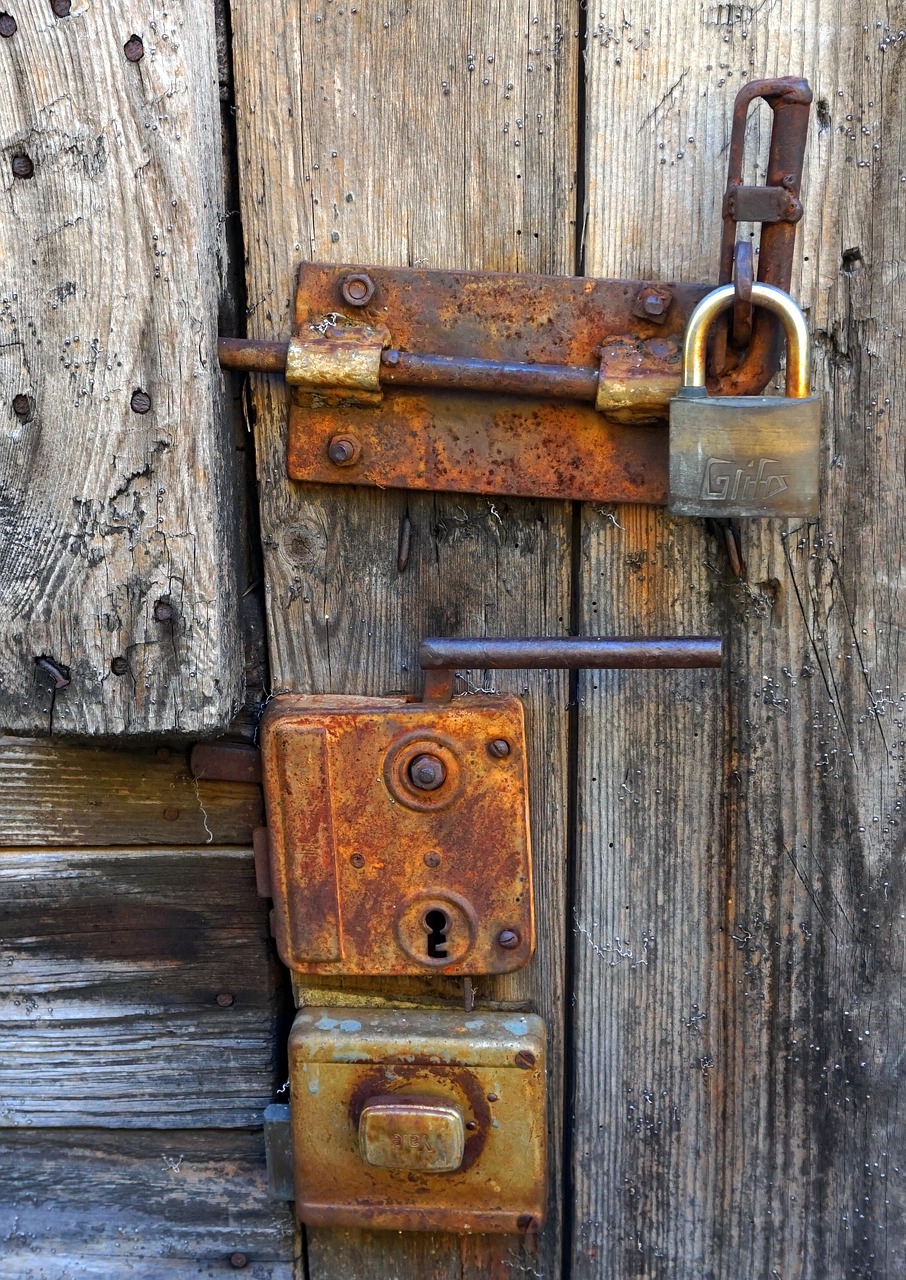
(398, 836)
(419, 1119)
(478, 441)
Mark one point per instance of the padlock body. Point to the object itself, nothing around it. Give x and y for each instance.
(744, 456)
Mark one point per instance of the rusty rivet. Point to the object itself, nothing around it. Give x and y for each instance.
(61, 8)
(526, 1222)
(225, 999)
(171, 813)
(508, 938)
(493, 1097)
(238, 1260)
(140, 402)
(22, 406)
(499, 748)
(134, 49)
(358, 860)
(119, 666)
(471, 1124)
(431, 859)
(525, 1059)
(163, 611)
(23, 167)
(7, 25)
(358, 290)
(343, 451)
(427, 773)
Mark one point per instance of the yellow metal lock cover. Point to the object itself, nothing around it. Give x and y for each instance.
(418, 1119)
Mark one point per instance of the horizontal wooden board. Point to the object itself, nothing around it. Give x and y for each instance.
(111, 965)
(54, 794)
(147, 1205)
(118, 486)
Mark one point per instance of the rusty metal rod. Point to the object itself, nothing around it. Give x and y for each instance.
(465, 373)
(252, 355)
(439, 657)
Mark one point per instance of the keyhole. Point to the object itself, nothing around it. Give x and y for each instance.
(437, 924)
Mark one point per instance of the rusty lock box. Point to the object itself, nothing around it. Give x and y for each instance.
(417, 1119)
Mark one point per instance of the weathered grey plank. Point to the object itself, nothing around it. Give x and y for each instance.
(739, 1101)
(396, 136)
(90, 1204)
(117, 527)
(53, 794)
(137, 988)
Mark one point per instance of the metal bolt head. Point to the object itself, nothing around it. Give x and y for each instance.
(427, 773)
(431, 859)
(357, 860)
(357, 290)
(499, 748)
(508, 938)
(653, 303)
(343, 451)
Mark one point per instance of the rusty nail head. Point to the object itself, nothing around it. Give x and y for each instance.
(499, 748)
(56, 670)
(358, 860)
(431, 859)
(171, 813)
(343, 451)
(140, 402)
(358, 290)
(493, 1097)
(134, 49)
(238, 1260)
(508, 938)
(61, 8)
(225, 999)
(21, 406)
(23, 167)
(7, 25)
(525, 1059)
(427, 773)
(119, 666)
(163, 611)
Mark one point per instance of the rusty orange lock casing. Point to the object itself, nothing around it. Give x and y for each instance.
(398, 835)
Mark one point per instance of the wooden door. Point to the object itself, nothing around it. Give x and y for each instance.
(719, 875)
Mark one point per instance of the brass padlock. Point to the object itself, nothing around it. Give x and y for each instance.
(745, 455)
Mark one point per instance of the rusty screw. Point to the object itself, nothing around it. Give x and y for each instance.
(358, 860)
(134, 49)
(427, 773)
(119, 666)
(343, 451)
(431, 859)
(653, 303)
(61, 8)
(508, 938)
(499, 748)
(23, 167)
(163, 611)
(7, 25)
(22, 406)
(357, 290)
(524, 1059)
(140, 402)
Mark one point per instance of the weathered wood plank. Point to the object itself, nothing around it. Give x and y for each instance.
(117, 523)
(148, 1205)
(53, 794)
(137, 987)
(394, 136)
(739, 1108)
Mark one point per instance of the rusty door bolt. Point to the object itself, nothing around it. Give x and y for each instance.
(499, 748)
(653, 303)
(358, 290)
(140, 402)
(119, 666)
(431, 859)
(163, 611)
(508, 938)
(343, 451)
(134, 49)
(22, 406)
(358, 860)
(7, 25)
(427, 773)
(23, 167)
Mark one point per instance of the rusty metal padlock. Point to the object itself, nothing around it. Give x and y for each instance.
(398, 834)
(745, 455)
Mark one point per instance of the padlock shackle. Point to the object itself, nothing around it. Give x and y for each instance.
(439, 657)
(798, 360)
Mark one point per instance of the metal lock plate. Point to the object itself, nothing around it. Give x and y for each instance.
(744, 456)
(419, 1119)
(398, 835)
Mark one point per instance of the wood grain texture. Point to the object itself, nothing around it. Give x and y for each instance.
(112, 964)
(117, 529)
(740, 922)
(148, 1205)
(443, 136)
(54, 794)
